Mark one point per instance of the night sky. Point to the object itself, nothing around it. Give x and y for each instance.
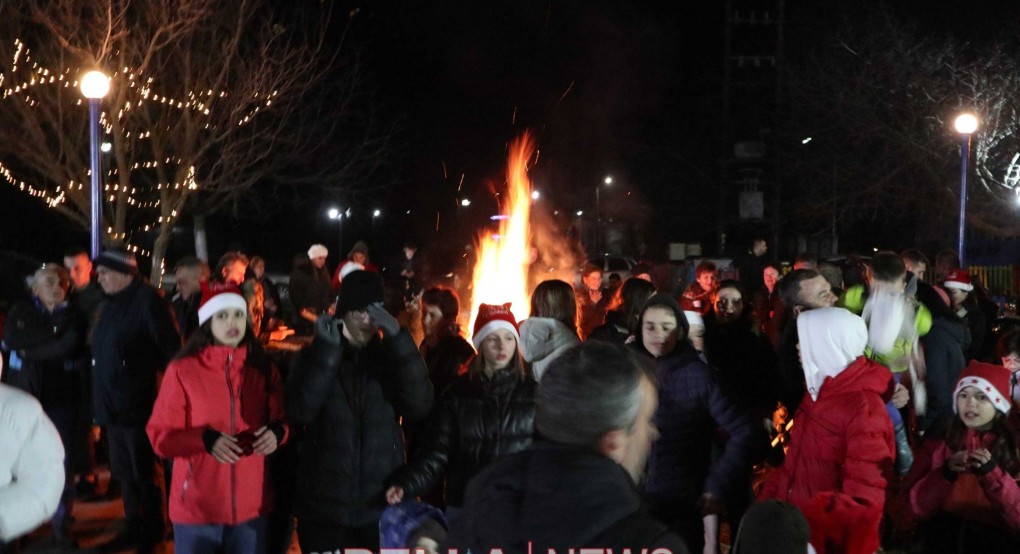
(629, 89)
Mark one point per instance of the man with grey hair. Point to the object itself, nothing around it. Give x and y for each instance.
(575, 488)
(189, 274)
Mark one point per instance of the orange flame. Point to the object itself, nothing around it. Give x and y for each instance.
(501, 272)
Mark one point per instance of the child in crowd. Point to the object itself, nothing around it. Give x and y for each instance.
(1009, 353)
(969, 492)
(486, 413)
(551, 328)
(218, 413)
(841, 447)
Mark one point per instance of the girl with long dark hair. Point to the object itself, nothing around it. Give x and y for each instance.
(218, 414)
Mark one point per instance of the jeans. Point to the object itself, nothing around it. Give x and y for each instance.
(248, 537)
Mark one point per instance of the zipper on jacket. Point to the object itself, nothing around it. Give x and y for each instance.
(233, 432)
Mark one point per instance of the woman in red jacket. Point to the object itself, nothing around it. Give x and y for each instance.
(969, 491)
(841, 444)
(218, 413)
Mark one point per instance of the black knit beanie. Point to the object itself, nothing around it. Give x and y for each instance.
(358, 290)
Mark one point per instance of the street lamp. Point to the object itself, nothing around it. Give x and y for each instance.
(598, 213)
(965, 124)
(338, 216)
(94, 86)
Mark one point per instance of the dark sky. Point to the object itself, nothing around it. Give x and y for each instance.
(626, 88)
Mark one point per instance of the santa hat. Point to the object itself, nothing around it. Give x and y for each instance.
(317, 251)
(958, 279)
(492, 318)
(348, 268)
(219, 296)
(993, 380)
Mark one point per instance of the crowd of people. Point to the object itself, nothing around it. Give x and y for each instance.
(830, 410)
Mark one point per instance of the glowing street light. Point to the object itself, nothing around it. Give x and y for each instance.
(106, 147)
(94, 86)
(535, 195)
(465, 202)
(337, 215)
(966, 124)
(376, 213)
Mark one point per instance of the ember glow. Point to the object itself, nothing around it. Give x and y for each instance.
(501, 272)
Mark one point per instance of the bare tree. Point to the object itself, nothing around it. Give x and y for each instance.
(878, 99)
(207, 100)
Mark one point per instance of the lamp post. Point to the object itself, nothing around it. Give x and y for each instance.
(598, 214)
(94, 86)
(338, 216)
(965, 124)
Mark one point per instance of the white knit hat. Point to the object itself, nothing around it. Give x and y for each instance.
(317, 251)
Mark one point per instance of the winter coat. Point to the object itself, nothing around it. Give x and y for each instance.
(999, 505)
(692, 405)
(543, 340)
(47, 351)
(445, 360)
(590, 314)
(613, 331)
(557, 497)
(746, 362)
(769, 313)
(696, 299)
(840, 458)
(212, 392)
(350, 400)
(31, 464)
(479, 420)
(186, 312)
(310, 288)
(134, 338)
(944, 361)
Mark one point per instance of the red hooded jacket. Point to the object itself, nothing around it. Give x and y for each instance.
(214, 389)
(841, 455)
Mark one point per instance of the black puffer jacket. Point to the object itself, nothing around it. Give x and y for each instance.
(350, 400)
(479, 420)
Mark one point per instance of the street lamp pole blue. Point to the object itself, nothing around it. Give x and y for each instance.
(94, 86)
(965, 124)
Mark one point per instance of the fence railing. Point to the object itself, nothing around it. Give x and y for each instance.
(1000, 280)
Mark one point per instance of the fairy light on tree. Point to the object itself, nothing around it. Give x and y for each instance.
(208, 99)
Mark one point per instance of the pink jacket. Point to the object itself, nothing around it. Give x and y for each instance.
(214, 389)
(1001, 502)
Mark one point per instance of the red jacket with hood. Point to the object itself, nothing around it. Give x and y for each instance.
(215, 389)
(840, 457)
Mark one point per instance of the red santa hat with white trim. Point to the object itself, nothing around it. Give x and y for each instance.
(993, 380)
(219, 296)
(492, 318)
(958, 279)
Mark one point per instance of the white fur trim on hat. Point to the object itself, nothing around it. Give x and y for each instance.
(221, 301)
(492, 327)
(958, 285)
(350, 267)
(317, 251)
(1000, 402)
